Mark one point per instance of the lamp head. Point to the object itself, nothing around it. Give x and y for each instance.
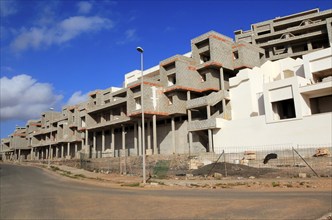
(140, 49)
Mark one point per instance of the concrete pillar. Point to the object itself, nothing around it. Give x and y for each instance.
(222, 81)
(149, 150)
(190, 142)
(289, 49)
(222, 87)
(103, 141)
(329, 29)
(42, 154)
(112, 140)
(62, 151)
(123, 138)
(31, 153)
(154, 133)
(208, 111)
(94, 144)
(149, 134)
(173, 135)
(309, 45)
(271, 52)
(189, 120)
(38, 154)
(87, 148)
(210, 141)
(135, 138)
(75, 150)
(56, 151)
(68, 149)
(140, 138)
(47, 154)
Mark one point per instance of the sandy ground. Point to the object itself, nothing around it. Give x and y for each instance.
(230, 182)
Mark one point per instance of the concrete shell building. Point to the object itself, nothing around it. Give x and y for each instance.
(291, 36)
(199, 101)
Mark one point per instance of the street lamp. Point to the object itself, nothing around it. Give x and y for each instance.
(140, 50)
(49, 150)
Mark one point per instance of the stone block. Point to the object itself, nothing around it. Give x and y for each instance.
(148, 152)
(217, 175)
(302, 175)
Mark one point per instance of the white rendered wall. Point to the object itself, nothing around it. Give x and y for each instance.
(314, 129)
(317, 61)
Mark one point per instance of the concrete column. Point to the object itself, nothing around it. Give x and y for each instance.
(222, 81)
(62, 151)
(210, 141)
(140, 138)
(51, 152)
(56, 152)
(154, 133)
(94, 144)
(112, 139)
(149, 150)
(135, 138)
(190, 142)
(123, 138)
(68, 149)
(208, 111)
(329, 29)
(103, 141)
(289, 49)
(309, 45)
(87, 148)
(173, 135)
(149, 134)
(222, 87)
(189, 120)
(31, 153)
(271, 52)
(42, 154)
(75, 149)
(47, 154)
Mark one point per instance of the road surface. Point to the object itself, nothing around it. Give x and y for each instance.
(32, 193)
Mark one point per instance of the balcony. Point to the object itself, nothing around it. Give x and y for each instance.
(211, 100)
(115, 101)
(115, 120)
(211, 123)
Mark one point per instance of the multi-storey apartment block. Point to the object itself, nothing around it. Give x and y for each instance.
(193, 102)
(291, 36)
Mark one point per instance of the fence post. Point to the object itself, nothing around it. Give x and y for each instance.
(305, 161)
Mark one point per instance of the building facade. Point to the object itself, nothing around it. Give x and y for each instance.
(194, 102)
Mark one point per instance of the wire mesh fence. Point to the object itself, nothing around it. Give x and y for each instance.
(266, 160)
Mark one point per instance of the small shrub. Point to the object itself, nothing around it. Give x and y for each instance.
(275, 184)
(131, 184)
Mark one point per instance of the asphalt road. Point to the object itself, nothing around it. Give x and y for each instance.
(32, 193)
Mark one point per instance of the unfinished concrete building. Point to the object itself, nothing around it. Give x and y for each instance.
(186, 102)
(291, 36)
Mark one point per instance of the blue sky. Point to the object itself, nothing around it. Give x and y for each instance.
(55, 52)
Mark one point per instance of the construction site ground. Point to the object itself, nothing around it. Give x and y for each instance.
(249, 180)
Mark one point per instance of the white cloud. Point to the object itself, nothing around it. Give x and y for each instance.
(77, 98)
(22, 97)
(130, 36)
(7, 7)
(64, 31)
(84, 7)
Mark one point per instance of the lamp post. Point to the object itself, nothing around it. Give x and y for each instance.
(49, 150)
(140, 50)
